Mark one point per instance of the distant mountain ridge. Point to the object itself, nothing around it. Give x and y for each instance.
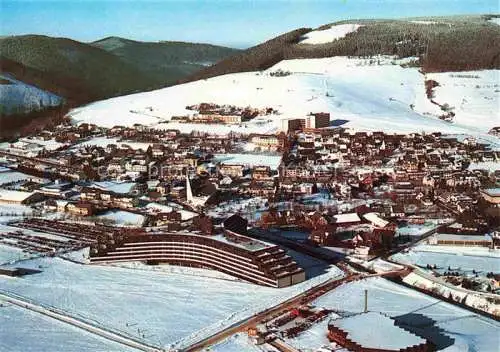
(164, 61)
(112, 66)
(80, 73)
(77, 71)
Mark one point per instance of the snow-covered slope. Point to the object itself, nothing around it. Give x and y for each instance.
(19, 97)
(495, 20)
(23, 330)
(371, 94)
(330, 34)
(473, 96)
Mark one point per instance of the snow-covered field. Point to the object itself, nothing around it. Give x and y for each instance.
(16, 97)
(25, 331)
(480, 259)
(470, 331)
(13, 209)
(329, 35)
(170, 310)
(375, 94)
(9, 254)
(12, 176)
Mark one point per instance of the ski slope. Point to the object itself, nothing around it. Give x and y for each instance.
(367, 95)
(329, 35)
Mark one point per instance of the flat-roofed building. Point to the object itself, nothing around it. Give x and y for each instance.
(374, 332)
(19, 197)
(445, 239)
(237, 255)
(491, 195)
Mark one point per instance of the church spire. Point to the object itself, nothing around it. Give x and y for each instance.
(189, 192)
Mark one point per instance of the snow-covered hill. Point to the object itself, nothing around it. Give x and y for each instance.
(474, 96)
(364, 94)
(330, 34)
(19, 97)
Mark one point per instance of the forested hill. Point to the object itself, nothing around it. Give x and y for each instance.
(454, 43)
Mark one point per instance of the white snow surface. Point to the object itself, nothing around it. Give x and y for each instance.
(479, 259)
(495, 20)
(491, 166)
(369, 96)
(170, 310)
(329, 35)
(9, 254)
(23, 330)
(424, 22)
(474, 96)
(123, 218)
(13, 176)
(273, 161)
(235, 343)
(116, 187)
(470, 331)
(378, 325)
(105, 141)
(19, 97)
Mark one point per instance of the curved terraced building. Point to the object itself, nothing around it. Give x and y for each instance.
(231, 253)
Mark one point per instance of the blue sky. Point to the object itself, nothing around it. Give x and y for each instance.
(237, 23)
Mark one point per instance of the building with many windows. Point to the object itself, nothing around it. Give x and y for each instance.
(231, 253)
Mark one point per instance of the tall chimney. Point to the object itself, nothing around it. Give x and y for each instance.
(366, 301)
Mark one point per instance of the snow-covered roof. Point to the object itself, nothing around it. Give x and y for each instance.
(116, 187)
(161, 208)
(121, 217)
(467, 238)
(252, 244)
(157, 207)
(14, 196)
(61, 203)
(375, 330)
(375, 219)
(350, 217)
(493, 192)
(186, 214)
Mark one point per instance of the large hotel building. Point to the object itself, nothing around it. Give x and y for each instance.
(230, 252)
